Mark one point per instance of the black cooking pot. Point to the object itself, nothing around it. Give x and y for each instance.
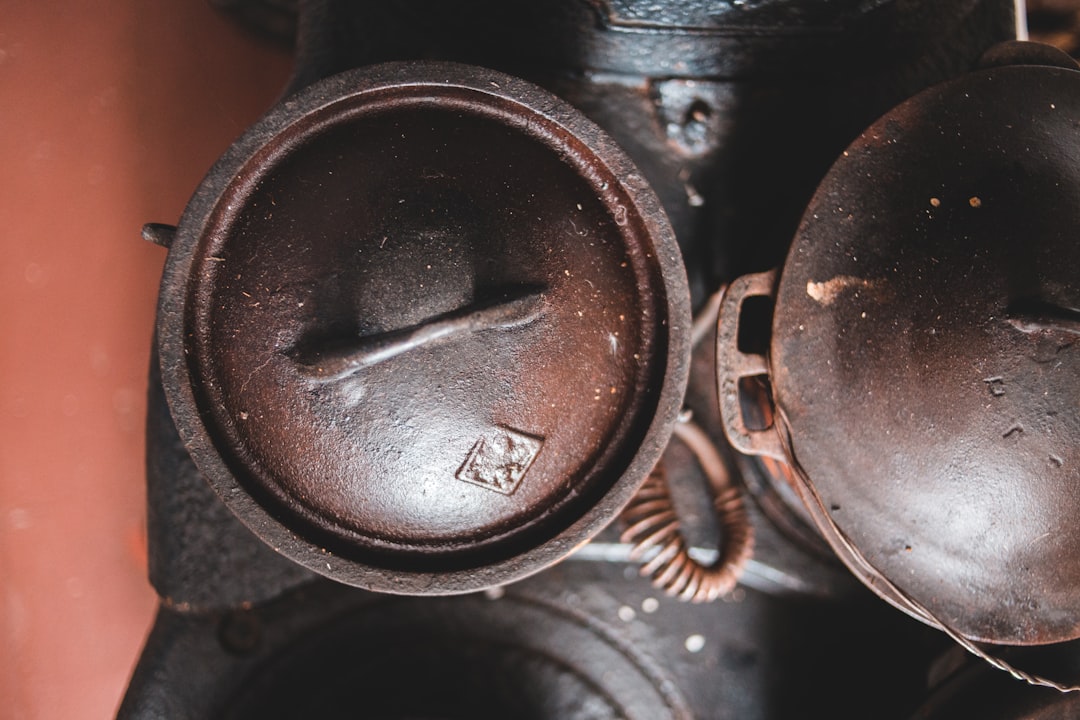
(424, 328)
(924, 360)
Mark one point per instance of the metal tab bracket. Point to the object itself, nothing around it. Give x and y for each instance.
(732, 365)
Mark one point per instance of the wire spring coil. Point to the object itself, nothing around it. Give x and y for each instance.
(653, 526)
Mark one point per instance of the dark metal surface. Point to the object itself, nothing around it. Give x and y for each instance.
(202, 558)
(733, 113)
(425, 329)
(973, 690)
(273, 21)
(332, 652)
(575, 641)
(922, 357)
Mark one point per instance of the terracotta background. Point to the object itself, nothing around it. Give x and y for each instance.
(110, 113)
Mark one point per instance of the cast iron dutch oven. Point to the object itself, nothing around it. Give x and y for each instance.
(924, 359)
(424, 328)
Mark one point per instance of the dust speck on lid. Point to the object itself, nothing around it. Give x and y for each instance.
(695, 643)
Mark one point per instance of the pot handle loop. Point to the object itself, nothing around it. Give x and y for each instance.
(732, 365)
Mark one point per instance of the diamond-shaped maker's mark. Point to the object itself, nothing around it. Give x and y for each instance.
(500, 459)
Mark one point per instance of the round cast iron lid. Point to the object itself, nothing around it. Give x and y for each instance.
(424, 328)
(924, 355)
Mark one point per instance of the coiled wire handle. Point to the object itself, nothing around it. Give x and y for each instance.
(652, 523)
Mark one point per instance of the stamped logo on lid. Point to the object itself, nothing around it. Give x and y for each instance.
(499, 459)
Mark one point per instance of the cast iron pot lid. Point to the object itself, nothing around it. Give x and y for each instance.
(424, 328)
(924, 357)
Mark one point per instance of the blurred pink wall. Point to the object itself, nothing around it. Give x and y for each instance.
(110, 113)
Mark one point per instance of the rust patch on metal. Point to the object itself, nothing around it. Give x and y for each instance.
(826, 292)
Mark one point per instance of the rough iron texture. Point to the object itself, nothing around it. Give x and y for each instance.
(581, 640)
(425, 329)
(201, 558)
(733, 113)
(924, 359)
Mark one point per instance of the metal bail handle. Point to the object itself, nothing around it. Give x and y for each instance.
(732, 365)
